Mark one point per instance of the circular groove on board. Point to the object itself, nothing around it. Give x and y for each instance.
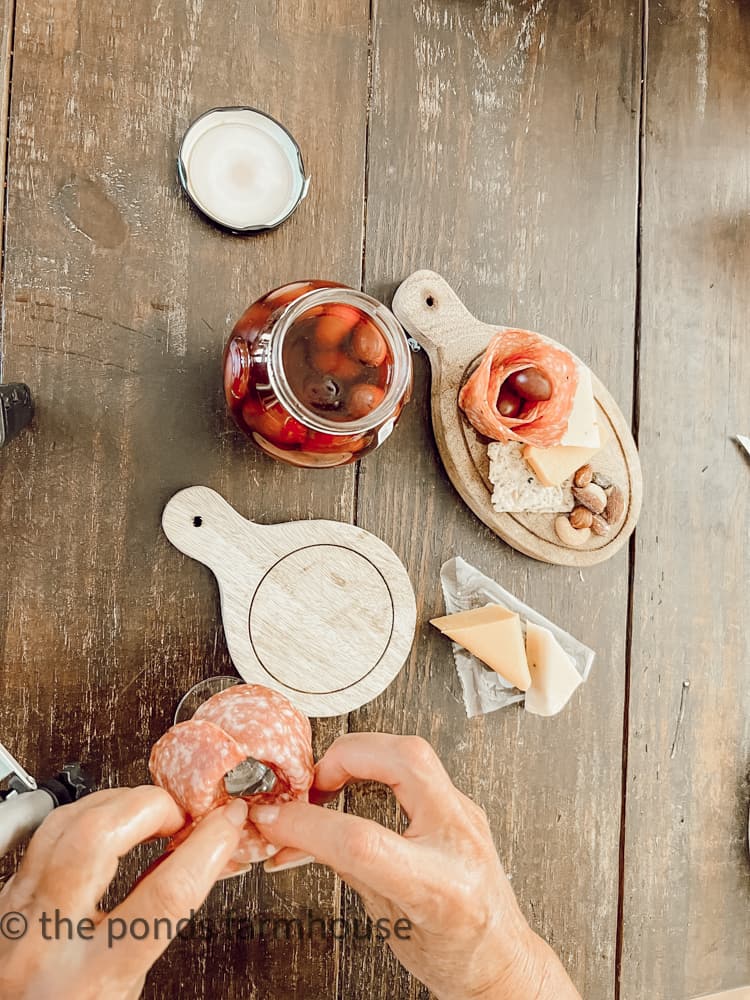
(321, 611)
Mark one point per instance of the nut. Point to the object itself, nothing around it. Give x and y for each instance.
(581, 517)
(615, 505)
(601, 480)
(599, 526)
(591, 496)
(568, 535)
(584, 476)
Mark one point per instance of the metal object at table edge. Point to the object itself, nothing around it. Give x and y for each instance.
(16, 410)
(25, 804)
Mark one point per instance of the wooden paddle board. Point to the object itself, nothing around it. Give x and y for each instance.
(455, 341)
(321, 611)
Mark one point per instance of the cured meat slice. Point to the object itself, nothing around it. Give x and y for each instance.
(190, 761)
(269, 728)
(541, 423)
(247, 720)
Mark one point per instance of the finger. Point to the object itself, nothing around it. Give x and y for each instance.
(408, 764)
(288, 857)
(172, 892)
(42, 844)
(358, 849)
(83, 859)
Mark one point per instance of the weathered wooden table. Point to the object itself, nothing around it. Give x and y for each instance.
(578, 168)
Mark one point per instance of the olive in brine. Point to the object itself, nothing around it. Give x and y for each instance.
(368, 345)
(322, 393)
(363, 399)
(530, 384)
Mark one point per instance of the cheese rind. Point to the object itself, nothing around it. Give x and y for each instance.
(583, 430)
(555, 466)
(554, 677)
(497, 642)
(477, 616)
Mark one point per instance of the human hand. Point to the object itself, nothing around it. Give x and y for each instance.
(66, 869)
(468, 937)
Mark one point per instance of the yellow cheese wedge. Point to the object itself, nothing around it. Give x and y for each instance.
(493, 634)
(582, 430)
(554, 677)
(554, 466)
(478, 616)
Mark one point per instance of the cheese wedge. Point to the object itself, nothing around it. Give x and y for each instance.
(583, 431)
(465, 619)
(555, 466)
(554, 677)
(493, 634)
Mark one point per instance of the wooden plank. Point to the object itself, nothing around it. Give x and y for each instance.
(119, 298)
(687, 889)
(503, 155)
(7, 17)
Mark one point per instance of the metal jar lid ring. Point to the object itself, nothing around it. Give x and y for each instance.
(242, 169)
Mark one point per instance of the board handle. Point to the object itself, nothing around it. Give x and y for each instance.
(200, 523)
(429, 309)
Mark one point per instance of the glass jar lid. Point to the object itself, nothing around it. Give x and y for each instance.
(242, 169)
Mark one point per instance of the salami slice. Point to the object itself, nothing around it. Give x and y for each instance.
(247, 720)
(543, 423)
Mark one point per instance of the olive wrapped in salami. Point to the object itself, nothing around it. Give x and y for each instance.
(191, 760)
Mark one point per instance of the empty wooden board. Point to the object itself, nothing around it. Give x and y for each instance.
(455, 340)
(321, 611)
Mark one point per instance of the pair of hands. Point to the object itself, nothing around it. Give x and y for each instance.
(468, 938)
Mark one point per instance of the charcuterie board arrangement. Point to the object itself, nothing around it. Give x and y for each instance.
(321, 611)
(531, 439)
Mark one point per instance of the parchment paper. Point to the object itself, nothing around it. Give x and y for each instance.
(465, 588)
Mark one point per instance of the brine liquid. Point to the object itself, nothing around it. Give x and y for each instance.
(337, 362)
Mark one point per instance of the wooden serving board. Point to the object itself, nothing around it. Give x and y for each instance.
(321, 611)
(454, 341)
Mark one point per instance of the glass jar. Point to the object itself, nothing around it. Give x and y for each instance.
(316, 374)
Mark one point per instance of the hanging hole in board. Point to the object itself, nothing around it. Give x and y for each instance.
(429, 301)
(197, 521)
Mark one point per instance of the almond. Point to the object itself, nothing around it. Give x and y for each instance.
(615, 505)
(601, 480)
(599, 526)
(591, 496)
(581, 517)
(568, 535)
(584, 476)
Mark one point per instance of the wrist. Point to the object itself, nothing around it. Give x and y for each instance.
(551, 981)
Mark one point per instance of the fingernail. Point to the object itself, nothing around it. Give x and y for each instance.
(236, 812)
(271, 867)
(264, 814)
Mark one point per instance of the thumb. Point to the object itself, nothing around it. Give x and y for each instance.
(359, 850)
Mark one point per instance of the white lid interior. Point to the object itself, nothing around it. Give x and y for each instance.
(241, 168)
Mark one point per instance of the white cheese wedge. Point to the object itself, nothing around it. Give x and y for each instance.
(583, 431)
(554, 677)
(493, 634)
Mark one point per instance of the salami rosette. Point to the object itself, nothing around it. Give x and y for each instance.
(192, 758)
(542, 423)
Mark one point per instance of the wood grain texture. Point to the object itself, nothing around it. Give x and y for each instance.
(118, 301)
(503, 155)
(454, 340)
(7, 21)
(321, 611)
(687, 873)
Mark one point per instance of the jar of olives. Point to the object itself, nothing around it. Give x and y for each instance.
(316, 374)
